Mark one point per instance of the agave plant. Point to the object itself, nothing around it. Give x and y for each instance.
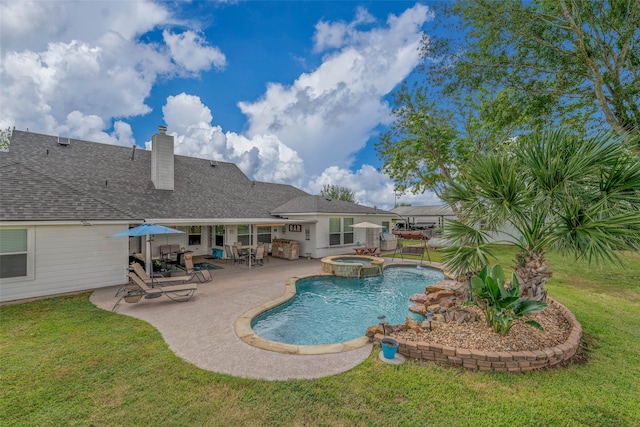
(501, 302)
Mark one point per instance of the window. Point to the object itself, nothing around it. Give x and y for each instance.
(264, 234)
(348, 231)
(245, 235)
(340, 231)
(385, 224)
(14, 255)
(334, 231)
(195, 235)
(219, 230)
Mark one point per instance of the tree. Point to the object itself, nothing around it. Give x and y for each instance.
(427, 145)
(442, 120)
(553, 191)
(512, 67)
(418, 150)
(5, 138)
(338, 192)
(579, 57)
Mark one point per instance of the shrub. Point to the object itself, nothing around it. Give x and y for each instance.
(501, 301)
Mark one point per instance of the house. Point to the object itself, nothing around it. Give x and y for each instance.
(60, 198)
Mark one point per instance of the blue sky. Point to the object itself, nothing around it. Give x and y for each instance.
(292, 91)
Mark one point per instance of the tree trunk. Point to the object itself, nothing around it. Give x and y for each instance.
(532, 273)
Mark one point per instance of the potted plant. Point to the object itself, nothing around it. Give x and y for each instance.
(308, 254)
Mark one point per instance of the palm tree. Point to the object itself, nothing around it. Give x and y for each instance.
(554, 190)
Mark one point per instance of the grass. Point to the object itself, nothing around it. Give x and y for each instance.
(66, 362)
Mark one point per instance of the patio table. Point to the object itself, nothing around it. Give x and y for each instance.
(249, 252)
(368, 250)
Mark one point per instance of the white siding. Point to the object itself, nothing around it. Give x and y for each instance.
(72, 258)
(318, 245)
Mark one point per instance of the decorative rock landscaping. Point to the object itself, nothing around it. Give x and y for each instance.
(460, 336)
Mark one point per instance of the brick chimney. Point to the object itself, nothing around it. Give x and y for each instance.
(162, 159)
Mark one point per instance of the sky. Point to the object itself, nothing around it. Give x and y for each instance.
(293, 92)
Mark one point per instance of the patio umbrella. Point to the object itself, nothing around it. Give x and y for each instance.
(147, 229)
(367, 225)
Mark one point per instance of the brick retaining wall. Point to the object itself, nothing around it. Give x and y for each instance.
(511, 361)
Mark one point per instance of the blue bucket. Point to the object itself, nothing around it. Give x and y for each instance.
(389, 347)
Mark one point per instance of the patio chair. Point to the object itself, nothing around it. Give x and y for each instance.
(229, 253)
(266, 250)
(137, 288)
(203, 276)
(169, 253)
(236, 255)
(155, 278)
(259, 257)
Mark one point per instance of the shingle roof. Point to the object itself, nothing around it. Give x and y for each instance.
(28, 194)
(433, 210)
(320, 204)
(107, 182)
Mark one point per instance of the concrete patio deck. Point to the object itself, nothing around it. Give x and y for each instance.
(201, 330)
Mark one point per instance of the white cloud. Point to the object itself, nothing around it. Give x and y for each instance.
(330, 113)
(91, 126)
(371, 188)
(334, 35)
(263, 157)
(86, 58)
(33, 24)
(190, 51)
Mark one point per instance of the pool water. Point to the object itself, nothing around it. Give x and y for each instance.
(353, 260)
(329, 309)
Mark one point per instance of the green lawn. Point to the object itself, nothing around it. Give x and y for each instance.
(66, 362)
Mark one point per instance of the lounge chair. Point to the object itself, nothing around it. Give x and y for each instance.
(194, 272)
(136, 289)
(203, 276)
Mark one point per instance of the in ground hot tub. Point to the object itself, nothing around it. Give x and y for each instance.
(353, 265)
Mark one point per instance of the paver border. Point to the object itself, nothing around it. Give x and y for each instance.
(509, 361)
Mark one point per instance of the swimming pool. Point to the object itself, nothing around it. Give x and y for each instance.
(329, 309)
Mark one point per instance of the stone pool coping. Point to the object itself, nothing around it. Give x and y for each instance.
(244, 331)
(350, 269)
